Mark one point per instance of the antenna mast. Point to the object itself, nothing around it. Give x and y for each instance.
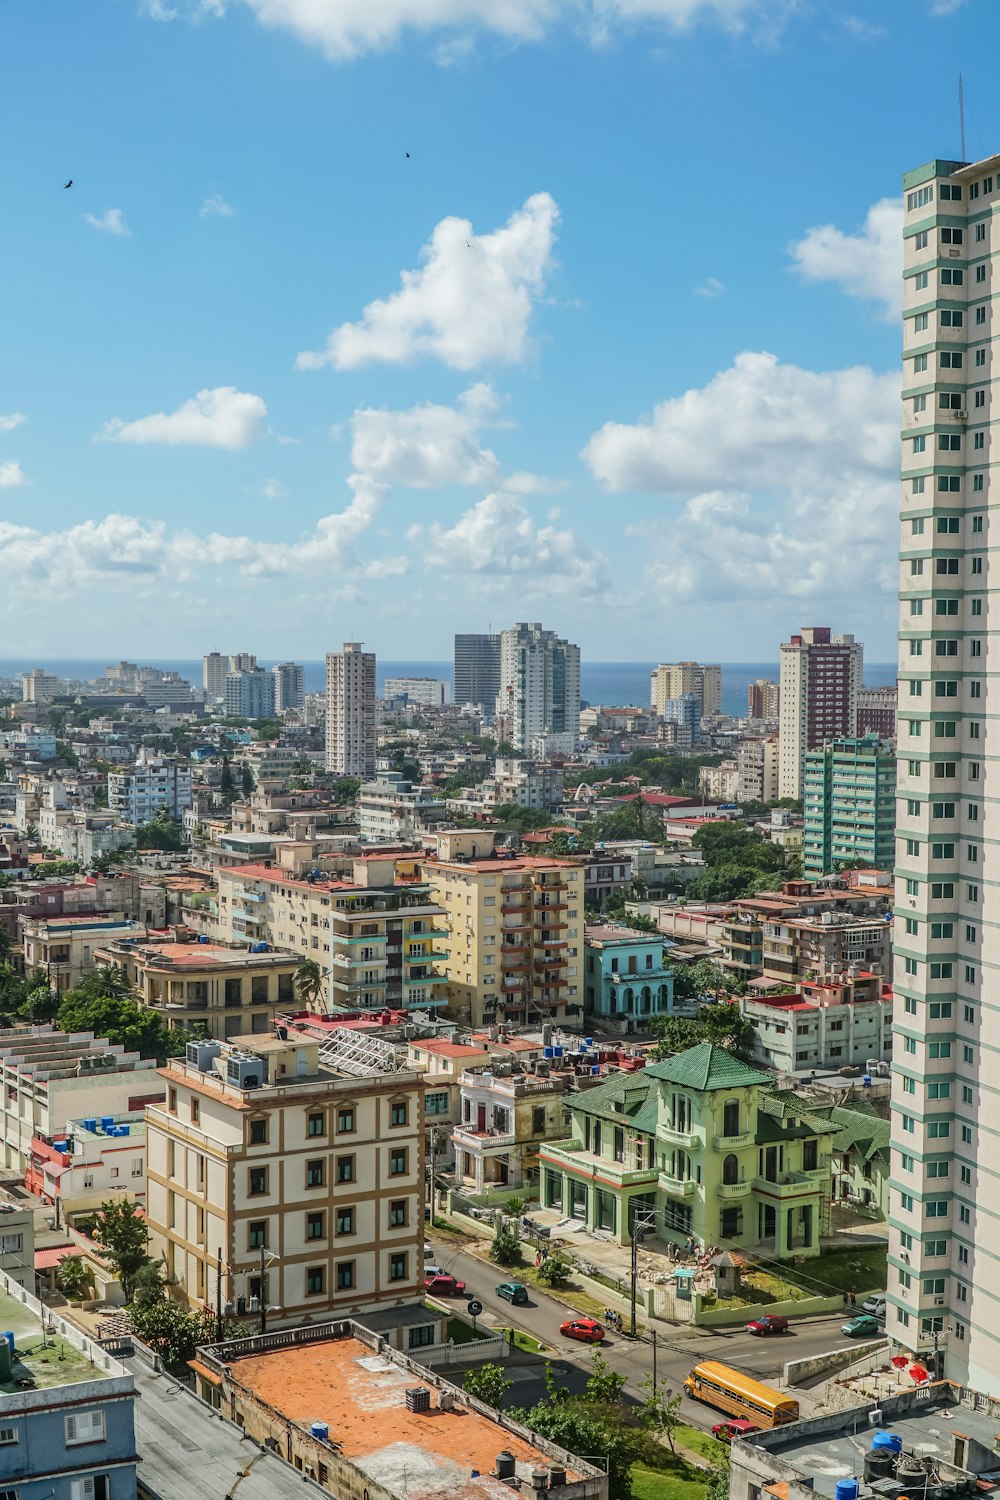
(961, 113)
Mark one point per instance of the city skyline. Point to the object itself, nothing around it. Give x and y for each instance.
(564, 405)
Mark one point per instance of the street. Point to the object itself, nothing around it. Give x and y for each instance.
(678, 1348)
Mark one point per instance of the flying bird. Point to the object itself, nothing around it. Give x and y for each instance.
(407, 156)
(67, 184)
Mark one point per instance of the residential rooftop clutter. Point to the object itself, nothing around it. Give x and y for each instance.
(358, 1417)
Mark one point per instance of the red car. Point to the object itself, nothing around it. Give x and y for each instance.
(734, 1427)
(587, 1330)
(768, 1324)
(444, 1286)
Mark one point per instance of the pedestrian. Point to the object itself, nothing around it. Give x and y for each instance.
(510, 1339)
(847, 1301)
(854, 1298)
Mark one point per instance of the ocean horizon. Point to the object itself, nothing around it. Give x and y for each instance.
(615, 684)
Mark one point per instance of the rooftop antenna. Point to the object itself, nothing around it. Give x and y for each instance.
(961, 114)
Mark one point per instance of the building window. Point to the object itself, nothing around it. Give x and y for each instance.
(315, 1173)
(85, 1427)
(400, 1114)
(345, 1168)
(345, 1275)
(8, 1435)
(257, 1234)
(398, 1267)
(316, 1226)
(345, 1121)
(398, 1161)
(258, 1132)
(316, 1280)
(397, 1213)
(316, 1124)
(173, 1101)
(195, 1111)
(420, 1338)
(345, 1221)
(258, 1182)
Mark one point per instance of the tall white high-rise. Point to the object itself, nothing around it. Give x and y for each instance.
(214, 668)
(539, 698)
(289, 685)
(821, 676)
(243, 661)
(944, 1216)
(350, 711)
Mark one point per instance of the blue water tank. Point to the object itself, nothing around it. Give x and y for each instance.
(59, 1145)
(548, 1052)
(259, 948)
(107, 1121)
(202, 937)
(123, 1130)
(588, 1041)
(887, 1442)
(557, 1052)
(90, 1123)
(867, 1080)
(8, 1335)
(321, 1430)
(847, 1489)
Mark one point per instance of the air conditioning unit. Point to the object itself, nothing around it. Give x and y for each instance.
(961, 416)
(939, 1302)
(875, 1417)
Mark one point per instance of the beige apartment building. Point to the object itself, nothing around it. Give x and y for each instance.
(757, 762)
(308, 1181)
(65, 949)
(514, 950)
(378, 937)
(350, 711)
(674, 679)
(223, 991)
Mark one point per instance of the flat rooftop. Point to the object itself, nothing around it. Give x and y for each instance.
(361, 1395)
(40, 1362)
(199, 956)
(927, 1429)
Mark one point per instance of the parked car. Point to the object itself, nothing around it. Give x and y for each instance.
(875, 1305)
(429, 1252)
(864, 1324)
(586, 1330)
(443, 1285)
(733, 1427)
(514, 1292)
(769, 1323)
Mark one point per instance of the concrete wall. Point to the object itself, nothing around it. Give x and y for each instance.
(721, 1317)
(834, 1359)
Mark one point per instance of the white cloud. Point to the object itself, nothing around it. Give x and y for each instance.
(428, 445)
(758, 424)
(273, 489)
(11, 475)
(499, 539)
(867, 264)
(219, 418)
(471, 301)
(216, 207)
(11, 420)
(125, 550)
(345, 29)
(710, 287)
(113, 222)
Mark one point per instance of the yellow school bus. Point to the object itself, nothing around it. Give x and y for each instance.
(725, 1388)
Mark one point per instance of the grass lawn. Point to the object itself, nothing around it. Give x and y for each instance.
(574, 1297)
(862, 1270)
(696, 1441)
(461, 1332)
(525, 1341)
(660, 1484)
(445, 1226)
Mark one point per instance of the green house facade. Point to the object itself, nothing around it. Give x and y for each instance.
(705, 1142)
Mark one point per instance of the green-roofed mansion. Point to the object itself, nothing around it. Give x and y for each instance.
(705, 1142)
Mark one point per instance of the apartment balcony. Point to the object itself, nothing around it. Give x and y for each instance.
(727, 1191)
(673, 1185)
(240, 895)
(789, 1184)
(522, 903)
(685, 1138)
(727, 1143)
(424, 958)
(482, 1141)
(544, 906)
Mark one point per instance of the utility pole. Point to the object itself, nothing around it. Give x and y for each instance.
(263, 1293)
(640, 1226)
(218, 1297)
(654, 1364)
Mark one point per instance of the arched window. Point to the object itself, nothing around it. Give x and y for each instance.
(731, 1169)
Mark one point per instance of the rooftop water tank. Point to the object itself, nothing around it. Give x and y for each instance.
(847, 1489)
(887, 1442)
(506, 1465)
(90, 1123)
(321, 1430)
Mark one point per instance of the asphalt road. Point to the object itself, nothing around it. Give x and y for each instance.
(677, 1348)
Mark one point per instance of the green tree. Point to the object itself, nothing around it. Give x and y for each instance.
(574, 1428)
(661, 1410)
(111, 859)
(40, 1005)
(121, 1020)
(4, 944)
(161, 832)
(722, 1024)
(703, 977)
(345, 790)
(150, 1284)
(603, 1383)
(227, 785)
(124, 1236)
(555, 1271)
(516, 1204)
(246, 779)
(505, 1249)
(488, 1383)
(73, 1278)
(308, 981)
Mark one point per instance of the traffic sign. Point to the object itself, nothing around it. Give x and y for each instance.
(475, 1308)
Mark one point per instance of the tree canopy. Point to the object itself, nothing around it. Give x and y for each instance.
(105, 1004)
(723, 1024)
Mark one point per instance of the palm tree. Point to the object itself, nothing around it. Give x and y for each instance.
(109, 982)
(308, 981)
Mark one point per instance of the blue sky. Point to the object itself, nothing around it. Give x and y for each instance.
(647, 393)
